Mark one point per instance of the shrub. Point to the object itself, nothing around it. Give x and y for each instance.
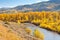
(28, 30)
(18, 21)
(38, 34)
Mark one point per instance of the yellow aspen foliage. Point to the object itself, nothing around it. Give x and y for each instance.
(58, 28)
(28, 30)
(38, 34)
(46, 19)
(18, 21)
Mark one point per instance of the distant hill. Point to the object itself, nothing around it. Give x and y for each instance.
(52, 5)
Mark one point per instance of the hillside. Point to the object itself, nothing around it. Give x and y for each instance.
(14, 31)
(52, 5)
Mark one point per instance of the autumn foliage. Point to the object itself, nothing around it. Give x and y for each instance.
(49, 20)
(28, 30)
(38, 34)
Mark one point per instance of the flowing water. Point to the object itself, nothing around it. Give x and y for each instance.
(49, 35)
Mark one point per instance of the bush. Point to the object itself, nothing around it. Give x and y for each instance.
(38, 34)
(18, 21)
(28, 30)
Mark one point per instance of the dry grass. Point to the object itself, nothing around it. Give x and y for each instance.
(5, 34)
(14, 31)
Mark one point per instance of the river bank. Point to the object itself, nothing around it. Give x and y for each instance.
(49, 35)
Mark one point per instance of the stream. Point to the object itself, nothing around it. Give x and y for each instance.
(49, 35)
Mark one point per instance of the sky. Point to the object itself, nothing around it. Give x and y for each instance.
(13, 3)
